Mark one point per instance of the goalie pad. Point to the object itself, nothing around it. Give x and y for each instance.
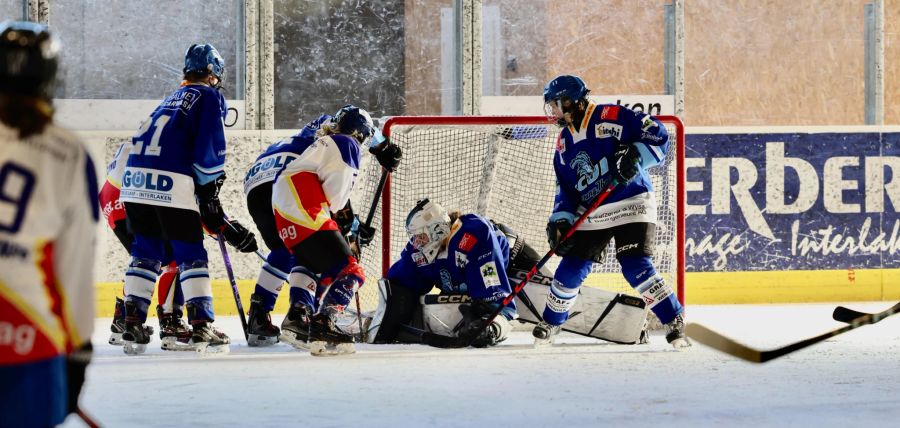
(597, 313)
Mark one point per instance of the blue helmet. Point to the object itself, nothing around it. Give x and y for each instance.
(204, 59)
(28, 59)
(356, 122)
(565, 86)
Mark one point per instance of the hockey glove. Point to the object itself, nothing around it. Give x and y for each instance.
(239, 236)
(76, 364)
(364, 234)
(628, 161)
(345, 219)
(556, 230)
(387, 154)
(475, 315)
(211, 213)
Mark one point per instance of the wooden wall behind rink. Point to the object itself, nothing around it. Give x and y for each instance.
(747, 62)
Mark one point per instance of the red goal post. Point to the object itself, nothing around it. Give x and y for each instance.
(501, 167)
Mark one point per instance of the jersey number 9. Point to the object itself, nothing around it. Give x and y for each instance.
(16, 187)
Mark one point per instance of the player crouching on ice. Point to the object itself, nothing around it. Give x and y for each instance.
(599, 144)
(467, 257)
(305, 195)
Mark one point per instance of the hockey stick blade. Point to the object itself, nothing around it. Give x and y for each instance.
(729, 346)
(844, 314)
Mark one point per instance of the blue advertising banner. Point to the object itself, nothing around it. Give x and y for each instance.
(792, 201)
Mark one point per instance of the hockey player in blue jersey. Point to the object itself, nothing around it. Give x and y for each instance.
(279, 263)
(48, 225)
(459, 254)
(170, 189)
(600, 143)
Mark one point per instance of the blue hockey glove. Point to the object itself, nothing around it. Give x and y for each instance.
(628, 161)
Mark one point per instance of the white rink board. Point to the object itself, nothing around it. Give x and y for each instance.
(851, 380)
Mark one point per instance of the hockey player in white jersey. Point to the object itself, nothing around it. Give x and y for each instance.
(305, 195)
(48, 222)
(599, 144)
(170, 189)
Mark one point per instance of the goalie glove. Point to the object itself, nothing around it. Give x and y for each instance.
(475, 315)
(628, 161)
(556, 230)
(387, 154)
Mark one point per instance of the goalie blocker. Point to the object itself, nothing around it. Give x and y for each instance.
(601, 314)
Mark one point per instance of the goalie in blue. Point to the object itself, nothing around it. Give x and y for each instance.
(465, 256)
(599, 144)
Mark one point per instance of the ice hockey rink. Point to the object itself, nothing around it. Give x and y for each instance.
(850, 380)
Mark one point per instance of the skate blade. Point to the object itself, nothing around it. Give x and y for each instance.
(115, 339)
(325, 349)
(259, 340)
(292, 339)
(681, 343)
(133, 348)
(205, 350)
(172, 344)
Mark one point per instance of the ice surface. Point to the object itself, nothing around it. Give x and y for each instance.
(851, 380)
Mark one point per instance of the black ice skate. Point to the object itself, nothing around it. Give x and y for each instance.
(295, 326)
(675, 333)
(118, 324)
(174, 333)
(208, 340)
(135, 335)
(326, 339)
(545, 334)
(260, 330)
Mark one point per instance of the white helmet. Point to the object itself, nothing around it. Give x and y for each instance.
(427, 225)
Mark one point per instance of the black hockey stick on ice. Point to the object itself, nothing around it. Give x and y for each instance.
(463, 341)
(729, 346)
(384, 175)
(845, 314)
(234, 287)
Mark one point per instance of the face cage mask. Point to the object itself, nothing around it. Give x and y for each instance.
(557, 110)
(428, 240)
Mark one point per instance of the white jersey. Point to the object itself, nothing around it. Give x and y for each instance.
(48, 216)
(334, 159)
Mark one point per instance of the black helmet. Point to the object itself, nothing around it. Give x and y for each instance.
(28, 59)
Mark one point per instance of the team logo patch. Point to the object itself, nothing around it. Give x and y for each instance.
(467, 242)
(490, 275)
(607, 130)
(560, 144)
(461, 260)
(610, 113)
(419, 258)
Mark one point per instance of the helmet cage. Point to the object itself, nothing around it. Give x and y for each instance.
(427, 225)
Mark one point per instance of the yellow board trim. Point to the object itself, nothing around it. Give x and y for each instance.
(703, 288)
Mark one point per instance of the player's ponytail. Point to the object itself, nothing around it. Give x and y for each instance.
(27, 115)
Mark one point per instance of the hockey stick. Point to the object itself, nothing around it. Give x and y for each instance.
(384, 175)
(89, 421)
(845, 314)
(234, 287)
(729, 346)
(463, 341)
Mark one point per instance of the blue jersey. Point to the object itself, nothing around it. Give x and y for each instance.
(181, 144)
(585, 164)
(474, 263)
(281, 153)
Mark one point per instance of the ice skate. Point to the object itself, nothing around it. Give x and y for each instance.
(326, 339)
(208, 340)
(295, 327)
(260, 330)
(118, 325)
(545, 334)
(174, 333)
(136, 335)
(675, 333)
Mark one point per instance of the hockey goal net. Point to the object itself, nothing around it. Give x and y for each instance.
(501, 167)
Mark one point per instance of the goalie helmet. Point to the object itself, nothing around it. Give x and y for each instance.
(561, 97)
(355, 122)
(28, 59)
(427, 225)
(204, 59)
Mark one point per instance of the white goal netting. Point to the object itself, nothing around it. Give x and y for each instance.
(501, 168)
